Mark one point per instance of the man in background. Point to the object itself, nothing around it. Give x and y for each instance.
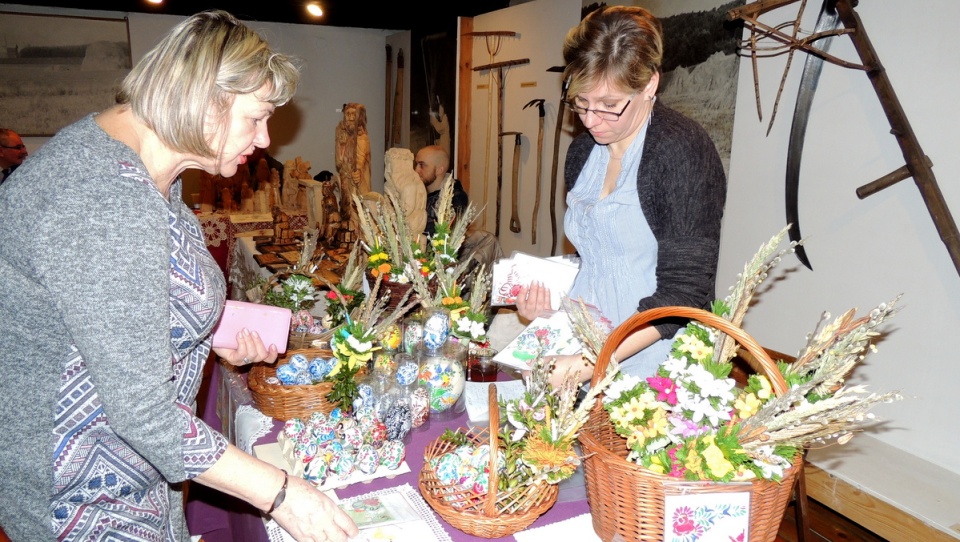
(432, 164)
(12, 153)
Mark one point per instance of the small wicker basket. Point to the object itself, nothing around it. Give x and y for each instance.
(284, 402)
(626, 499)
(495, 514)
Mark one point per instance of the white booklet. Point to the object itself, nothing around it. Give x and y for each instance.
(520, 269)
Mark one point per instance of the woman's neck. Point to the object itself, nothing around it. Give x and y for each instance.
(162, 164)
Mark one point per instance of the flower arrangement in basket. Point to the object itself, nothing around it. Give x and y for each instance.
(317, 380)
(690, 421)
(495, 481)
(431, 267)
(345, 296)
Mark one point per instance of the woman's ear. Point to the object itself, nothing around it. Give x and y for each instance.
(651, 89)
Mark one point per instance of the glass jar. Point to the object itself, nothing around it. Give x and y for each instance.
(442, 372)
(412, 332)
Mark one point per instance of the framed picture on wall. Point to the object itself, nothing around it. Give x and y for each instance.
(54, 70)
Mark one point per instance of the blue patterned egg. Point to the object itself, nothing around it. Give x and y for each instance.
(332, 446)
(335, 415)
(367, 459)
(407, 372)
(365, 395)
(299, 361)
(316, 470)
(318, 369)
(392, 453)
(287, 374)
(303, 379)
(436, 329)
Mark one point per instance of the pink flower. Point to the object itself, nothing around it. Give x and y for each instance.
(666, 389)
(677, 470)
(683, 520)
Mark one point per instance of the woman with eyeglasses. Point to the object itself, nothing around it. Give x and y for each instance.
(110, 296)
(645, 189)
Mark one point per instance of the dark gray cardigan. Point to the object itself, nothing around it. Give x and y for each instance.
(682, 189)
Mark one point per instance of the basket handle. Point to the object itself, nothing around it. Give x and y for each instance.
(639, 320)
(490, 506)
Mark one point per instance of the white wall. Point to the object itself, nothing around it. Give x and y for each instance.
(339, 65)
(540, 26)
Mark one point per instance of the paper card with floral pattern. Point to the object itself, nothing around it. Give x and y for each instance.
(707, 517)
(520, 269)
(553, 335)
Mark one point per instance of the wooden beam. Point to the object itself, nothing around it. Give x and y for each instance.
(880, 517)
(464, 103)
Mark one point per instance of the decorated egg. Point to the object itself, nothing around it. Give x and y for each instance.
(319, 368)
(315, 419)
(376, 434)
(367, 459)
(316, 329)
(352, 438)
(436, 328)
(448, 468)
(391, 338)
(324, 432)
(419, 406)
(303, 379)
(383, 363)
(407, 370)
(364, 397)
(293, 428)
(392, 453)
(398, 422)
(342, 464)
(303, 318)
(316, 471)
(332, 446)
(334, 416)
(299, 362)
(445, 379)
(412, 334)
(287, 374)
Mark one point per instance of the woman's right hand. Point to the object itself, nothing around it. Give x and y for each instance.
(533, 300)
(310, 516)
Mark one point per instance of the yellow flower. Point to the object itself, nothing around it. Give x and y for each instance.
(657, 425)
(634, 410)
(697, 349)
(766, 390)
(636, 440)
(656, 466)
(694, 463)
(747, 405)
(716, 462)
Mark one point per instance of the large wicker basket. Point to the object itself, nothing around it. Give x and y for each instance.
(495, 514)
(284, 402)
(627, 500)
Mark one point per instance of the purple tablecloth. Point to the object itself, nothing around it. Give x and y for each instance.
(223, 519)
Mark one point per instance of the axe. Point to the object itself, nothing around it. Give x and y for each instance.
(536, 202)
(514, 213)
(556, 158)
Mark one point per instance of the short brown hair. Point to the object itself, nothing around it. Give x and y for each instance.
(205, 61)
(622, 45)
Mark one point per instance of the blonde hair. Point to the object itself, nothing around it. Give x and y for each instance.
(620, 45)
(201, 65)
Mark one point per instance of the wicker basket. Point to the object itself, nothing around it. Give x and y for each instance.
(285, 402)
(304, 341)
(495, 514)
(627, 500)
(393, 291)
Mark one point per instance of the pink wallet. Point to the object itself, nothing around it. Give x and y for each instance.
(271, 323)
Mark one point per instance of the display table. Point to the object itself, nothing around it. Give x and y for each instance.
(222, 519)
(220, 231)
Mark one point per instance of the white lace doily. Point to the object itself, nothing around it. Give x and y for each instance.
(250, 425)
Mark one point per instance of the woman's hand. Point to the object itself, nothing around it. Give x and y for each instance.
(533, 300)
(573, 363)
(250, 349)
(310, 516)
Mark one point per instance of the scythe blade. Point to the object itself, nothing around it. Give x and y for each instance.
(828, 19)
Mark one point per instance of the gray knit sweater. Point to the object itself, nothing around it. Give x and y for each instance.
(84, 260)
(682, 191)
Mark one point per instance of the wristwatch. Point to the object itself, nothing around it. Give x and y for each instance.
(282, 494)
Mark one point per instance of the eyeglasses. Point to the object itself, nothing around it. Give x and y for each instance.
(19, 147)
(600, 113)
